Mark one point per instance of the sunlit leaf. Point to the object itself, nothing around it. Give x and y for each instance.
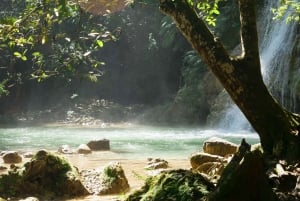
(43, 39)
(99, 43)
(56, 12)
(36, 54)
(18, 54)
(24, 58)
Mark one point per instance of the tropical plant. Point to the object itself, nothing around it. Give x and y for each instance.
(42, 39)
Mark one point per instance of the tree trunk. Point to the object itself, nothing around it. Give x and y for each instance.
(241, 76)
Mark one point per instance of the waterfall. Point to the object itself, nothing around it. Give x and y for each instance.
(276, 39)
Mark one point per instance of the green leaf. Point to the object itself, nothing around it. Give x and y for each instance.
(24, 58)
(99, 43)
(18, 54)
(36, 54)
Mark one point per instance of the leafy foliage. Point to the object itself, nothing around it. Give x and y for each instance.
(3, 89)
(41, 39)
(208, 9)
(289, 9)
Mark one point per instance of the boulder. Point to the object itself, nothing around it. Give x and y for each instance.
(156, 163)
(12, 157)
(200, 158)
(65, 149)
(99, 145)
(211, 168)
(113, 180)
(83, 149)
(173, 185)
(45, 173)
(218, 146)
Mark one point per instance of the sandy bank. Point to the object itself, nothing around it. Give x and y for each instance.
(134, 169)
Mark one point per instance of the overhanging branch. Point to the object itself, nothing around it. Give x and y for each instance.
(197, 33)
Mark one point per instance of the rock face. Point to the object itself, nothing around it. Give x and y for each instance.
(113, 180)
(12, 157)
(173, 185)
(99, 145)
(46, 173)
(220, 147)
(83, 149)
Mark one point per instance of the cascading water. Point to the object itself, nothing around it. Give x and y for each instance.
(277, 39)
(276, 54)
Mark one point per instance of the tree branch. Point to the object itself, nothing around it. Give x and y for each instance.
(249, 38)
(209, 47)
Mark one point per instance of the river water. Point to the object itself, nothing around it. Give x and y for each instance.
(127, 141)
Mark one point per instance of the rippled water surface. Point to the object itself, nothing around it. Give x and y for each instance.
(128, 141)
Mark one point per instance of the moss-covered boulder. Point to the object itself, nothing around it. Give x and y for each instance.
(175, 185)
(113, 180)
(46, 173)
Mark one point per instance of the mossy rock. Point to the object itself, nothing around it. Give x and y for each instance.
(175, 185)
(113, 180)
(46, 173)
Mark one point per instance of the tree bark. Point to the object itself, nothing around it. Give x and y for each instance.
(241, 76)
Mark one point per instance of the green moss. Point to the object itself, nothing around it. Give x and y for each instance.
(45, 173)
(9, 183)
(110, 174)
(173, 185)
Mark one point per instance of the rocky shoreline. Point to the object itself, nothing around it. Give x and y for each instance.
(90, 168)
(107, 179)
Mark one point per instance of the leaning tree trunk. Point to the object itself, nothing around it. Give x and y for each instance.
(241, 76)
